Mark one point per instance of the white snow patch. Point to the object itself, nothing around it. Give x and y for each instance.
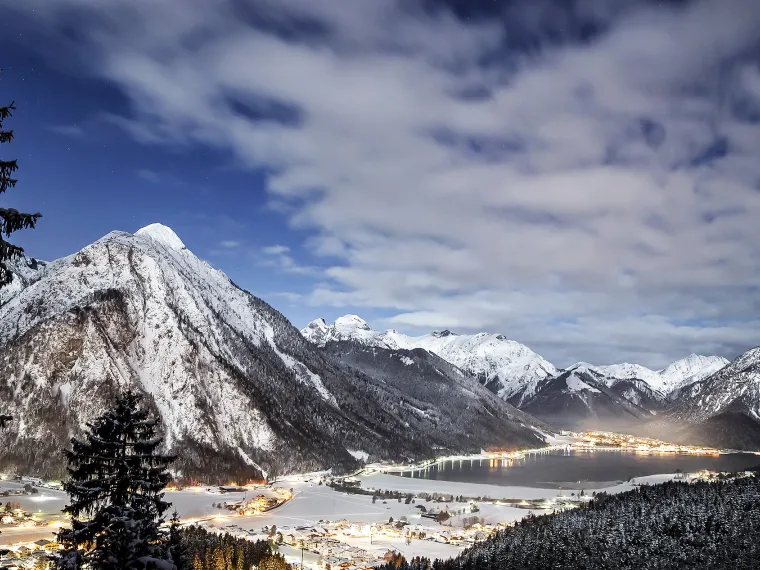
(302, 372)
(575, 384)
(359, 455)
(251, 462)
(64, 390)
(163, 235)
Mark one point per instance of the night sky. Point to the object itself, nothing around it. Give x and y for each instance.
(581, 176)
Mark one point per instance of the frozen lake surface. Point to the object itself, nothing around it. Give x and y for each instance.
(577, 467)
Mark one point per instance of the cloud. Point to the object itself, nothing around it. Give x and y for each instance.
(582, 180)
(229, 244)
(149, 175)
(275, 250)
(279, 256)
(73, 131)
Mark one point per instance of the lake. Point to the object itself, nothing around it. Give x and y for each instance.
(560, 468)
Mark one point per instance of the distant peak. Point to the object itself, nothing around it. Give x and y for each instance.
(442, 334)
(163, 235)
(351, 321)
(319, 323)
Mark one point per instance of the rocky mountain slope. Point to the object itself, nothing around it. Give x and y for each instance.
(523, 378)
(506, 367)
(738, 384)
(576, 399)
(724, 408)
(673, 377)
(436, 398)
(237, 387)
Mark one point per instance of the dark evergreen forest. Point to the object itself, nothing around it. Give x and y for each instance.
(674, 525)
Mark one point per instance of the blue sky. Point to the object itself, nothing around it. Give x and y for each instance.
(88, 177)
(579, 176)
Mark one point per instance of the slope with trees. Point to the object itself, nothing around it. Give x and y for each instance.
(668, 526)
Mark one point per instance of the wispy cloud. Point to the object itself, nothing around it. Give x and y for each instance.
(148, 175)
(229, 244)
(595, 196)
(73, 131)
(279, 256)
(275, 250)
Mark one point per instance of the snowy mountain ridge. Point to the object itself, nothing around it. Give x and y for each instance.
(514, 370)
(676, 375)
(735, 387)
(509, 368)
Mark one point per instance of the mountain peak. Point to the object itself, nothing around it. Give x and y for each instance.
(352, 322)
(442, 334)
(319, 323)
(163, 235)
(506, 367)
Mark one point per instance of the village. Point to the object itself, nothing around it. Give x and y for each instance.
(319, 521)
(609, 440)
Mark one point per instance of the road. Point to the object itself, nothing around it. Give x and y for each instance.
(12, 535)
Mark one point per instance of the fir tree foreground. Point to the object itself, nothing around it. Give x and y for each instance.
(11, 220)
(116, 487)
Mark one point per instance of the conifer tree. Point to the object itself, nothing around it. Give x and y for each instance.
(274, 562)
(219, 562)
(11, 220)
(116, 487)
(176, 548)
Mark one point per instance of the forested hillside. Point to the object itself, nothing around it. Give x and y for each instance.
(669, 526)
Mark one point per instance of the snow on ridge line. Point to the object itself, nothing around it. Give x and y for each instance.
(299, 369)
(513, 367)
(162, 234)
(517, 370)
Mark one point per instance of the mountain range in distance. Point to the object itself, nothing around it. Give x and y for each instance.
(510, 369)
(683, 399)
(242, 393)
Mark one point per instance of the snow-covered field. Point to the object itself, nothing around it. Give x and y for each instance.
(313, 503)
(410, 485)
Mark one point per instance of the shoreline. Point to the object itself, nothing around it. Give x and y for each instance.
(520, 454)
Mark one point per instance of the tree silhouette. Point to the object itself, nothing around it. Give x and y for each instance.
(116, 487)
(11, 220)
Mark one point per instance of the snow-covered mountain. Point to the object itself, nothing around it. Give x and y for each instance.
(236, 385)
(514, 371)
(675, 376)
(23, 271)
(508, 368)
(723, 409)
(735, 387)
(580, 397)
(691, 369)
(440, 400)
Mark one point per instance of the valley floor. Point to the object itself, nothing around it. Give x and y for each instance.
(340, 526)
